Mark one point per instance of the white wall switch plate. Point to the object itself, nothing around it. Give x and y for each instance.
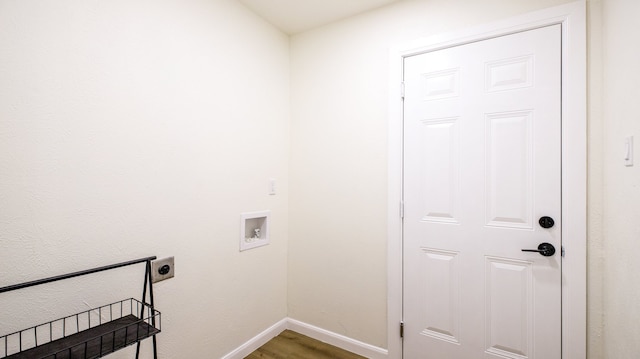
(272, 186)
(628, 151)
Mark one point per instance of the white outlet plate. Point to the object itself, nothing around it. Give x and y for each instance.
(156, 265)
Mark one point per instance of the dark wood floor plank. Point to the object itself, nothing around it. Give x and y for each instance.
(292, 345)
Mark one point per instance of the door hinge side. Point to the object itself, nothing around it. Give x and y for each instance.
(562, 252)
(402, 90)
(401, 209)
(401, 329)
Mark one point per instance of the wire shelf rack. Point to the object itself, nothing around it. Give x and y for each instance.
(90, 334)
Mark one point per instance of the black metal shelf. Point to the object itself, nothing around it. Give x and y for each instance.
(90, 334)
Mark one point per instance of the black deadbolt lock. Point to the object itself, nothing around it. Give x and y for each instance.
(164, 269)
(546, 222)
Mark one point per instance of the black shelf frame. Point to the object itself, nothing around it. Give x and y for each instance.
(129, 322)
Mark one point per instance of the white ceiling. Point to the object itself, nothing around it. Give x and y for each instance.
(294, 16)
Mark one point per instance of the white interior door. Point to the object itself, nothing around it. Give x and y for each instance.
(482, 161)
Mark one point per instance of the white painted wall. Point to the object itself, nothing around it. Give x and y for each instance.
(337, 248)
(131, 128)
(621, 94)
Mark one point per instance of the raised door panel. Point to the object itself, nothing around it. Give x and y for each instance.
(509, 311)
(439, 172)
(509, 169)
(442, 305)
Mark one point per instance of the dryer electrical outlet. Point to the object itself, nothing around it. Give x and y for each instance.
(162, 269)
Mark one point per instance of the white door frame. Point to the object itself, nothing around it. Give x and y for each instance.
(572, 17)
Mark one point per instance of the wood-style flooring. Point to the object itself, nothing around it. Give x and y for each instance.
(292, 345)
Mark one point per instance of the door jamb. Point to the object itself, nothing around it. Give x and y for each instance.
(572, 17)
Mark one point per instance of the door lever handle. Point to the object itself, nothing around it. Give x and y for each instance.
(545, 249)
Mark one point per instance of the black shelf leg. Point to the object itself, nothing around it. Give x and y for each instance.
(148, 281)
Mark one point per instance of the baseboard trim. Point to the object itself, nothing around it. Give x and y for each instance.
(258, 341)
(335, 339)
